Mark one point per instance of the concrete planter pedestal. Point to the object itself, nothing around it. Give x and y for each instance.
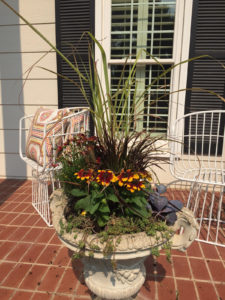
(128, 277)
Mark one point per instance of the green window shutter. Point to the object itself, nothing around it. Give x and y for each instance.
(73, 17)
(207, 37)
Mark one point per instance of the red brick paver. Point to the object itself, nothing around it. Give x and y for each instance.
(35, 265)
(5, 293)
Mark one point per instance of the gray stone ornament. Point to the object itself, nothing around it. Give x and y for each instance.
(127, 278)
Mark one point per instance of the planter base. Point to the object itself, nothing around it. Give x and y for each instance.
(121, 283)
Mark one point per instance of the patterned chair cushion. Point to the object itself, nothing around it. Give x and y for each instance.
(36, 140)
(77, 124)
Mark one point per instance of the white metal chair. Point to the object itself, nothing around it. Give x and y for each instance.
(43, 182)
(198, 156)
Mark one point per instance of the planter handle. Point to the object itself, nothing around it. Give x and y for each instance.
(188, 228)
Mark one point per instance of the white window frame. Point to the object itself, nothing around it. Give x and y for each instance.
(181, 45)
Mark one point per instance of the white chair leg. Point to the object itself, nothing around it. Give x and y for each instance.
(210, 214)
(207, 201)
(40, 196)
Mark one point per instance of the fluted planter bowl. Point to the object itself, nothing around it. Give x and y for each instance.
(128, 277)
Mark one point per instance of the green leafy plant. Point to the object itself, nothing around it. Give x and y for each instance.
(97, 190)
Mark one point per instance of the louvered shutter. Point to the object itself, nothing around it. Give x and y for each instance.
(207, 37)
(73, 17)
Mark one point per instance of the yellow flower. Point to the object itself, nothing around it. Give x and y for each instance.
(84, 174)
(114, 179)
(105, 177)
(128, 176)
(83, 213)
(135, 186)
(146, 176)
(136, 176)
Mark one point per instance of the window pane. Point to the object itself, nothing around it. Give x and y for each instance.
(142, 24)
(154, 104)
(119, 74)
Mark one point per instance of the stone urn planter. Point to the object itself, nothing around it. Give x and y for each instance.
(127, 278)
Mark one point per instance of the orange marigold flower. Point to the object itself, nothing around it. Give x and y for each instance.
(84, 174)
(105, 177)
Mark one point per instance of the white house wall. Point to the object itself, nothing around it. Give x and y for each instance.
(20, 48)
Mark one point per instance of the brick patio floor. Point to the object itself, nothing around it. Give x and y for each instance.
(34, 264)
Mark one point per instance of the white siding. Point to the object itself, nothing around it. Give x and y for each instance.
(41, 11)
(20, 48)
(20, 38)
(27, 62)
(35, 92)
